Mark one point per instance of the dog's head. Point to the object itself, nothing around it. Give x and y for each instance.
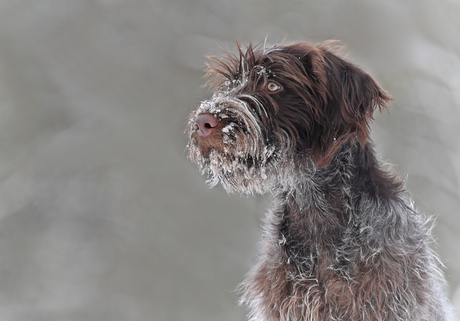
(274, 109)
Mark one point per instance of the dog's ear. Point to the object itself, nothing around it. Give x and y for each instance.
(352, 95)
(360, 96)
(345, 98)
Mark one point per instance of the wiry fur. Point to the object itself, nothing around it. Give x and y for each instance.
(342, 240)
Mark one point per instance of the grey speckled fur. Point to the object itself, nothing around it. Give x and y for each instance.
(342, 240)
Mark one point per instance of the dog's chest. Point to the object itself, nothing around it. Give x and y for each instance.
(302, 290)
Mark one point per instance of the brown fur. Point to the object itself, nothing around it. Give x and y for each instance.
(336, 92)
(342, 240)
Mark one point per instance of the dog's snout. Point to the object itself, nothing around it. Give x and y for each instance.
(205, 124)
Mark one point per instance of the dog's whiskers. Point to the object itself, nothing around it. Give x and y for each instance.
(342, 240)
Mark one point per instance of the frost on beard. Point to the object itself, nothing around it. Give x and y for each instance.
(237, 172)
(243, 162)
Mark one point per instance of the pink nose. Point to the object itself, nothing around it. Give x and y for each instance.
(205, 124)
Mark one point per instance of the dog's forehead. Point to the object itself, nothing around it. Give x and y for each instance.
(268, 58)
(260, 68)
(251, 67)
(244, 78)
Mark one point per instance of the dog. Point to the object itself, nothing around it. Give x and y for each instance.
(342, 240)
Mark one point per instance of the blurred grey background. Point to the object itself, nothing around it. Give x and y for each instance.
(102, 217)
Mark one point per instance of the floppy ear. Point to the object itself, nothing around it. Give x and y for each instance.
(345, 98)
(361, 95)
(352, 97)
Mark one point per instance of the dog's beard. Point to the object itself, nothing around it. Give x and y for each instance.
(239, 156)
(234, 173)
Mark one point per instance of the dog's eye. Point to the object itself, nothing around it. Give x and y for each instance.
(273, 86)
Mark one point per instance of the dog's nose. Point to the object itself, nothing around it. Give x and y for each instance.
(205, 124)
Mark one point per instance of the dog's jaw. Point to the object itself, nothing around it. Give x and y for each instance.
(235, 153)
(341, 241)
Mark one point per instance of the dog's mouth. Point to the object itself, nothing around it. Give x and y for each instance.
(229, 154)
(228, 143)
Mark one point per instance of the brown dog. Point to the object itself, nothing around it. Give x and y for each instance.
(342, 240)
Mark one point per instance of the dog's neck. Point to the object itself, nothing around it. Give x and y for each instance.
(324, 200)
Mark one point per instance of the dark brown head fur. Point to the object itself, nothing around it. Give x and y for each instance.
(342, 240)
(324, 100)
